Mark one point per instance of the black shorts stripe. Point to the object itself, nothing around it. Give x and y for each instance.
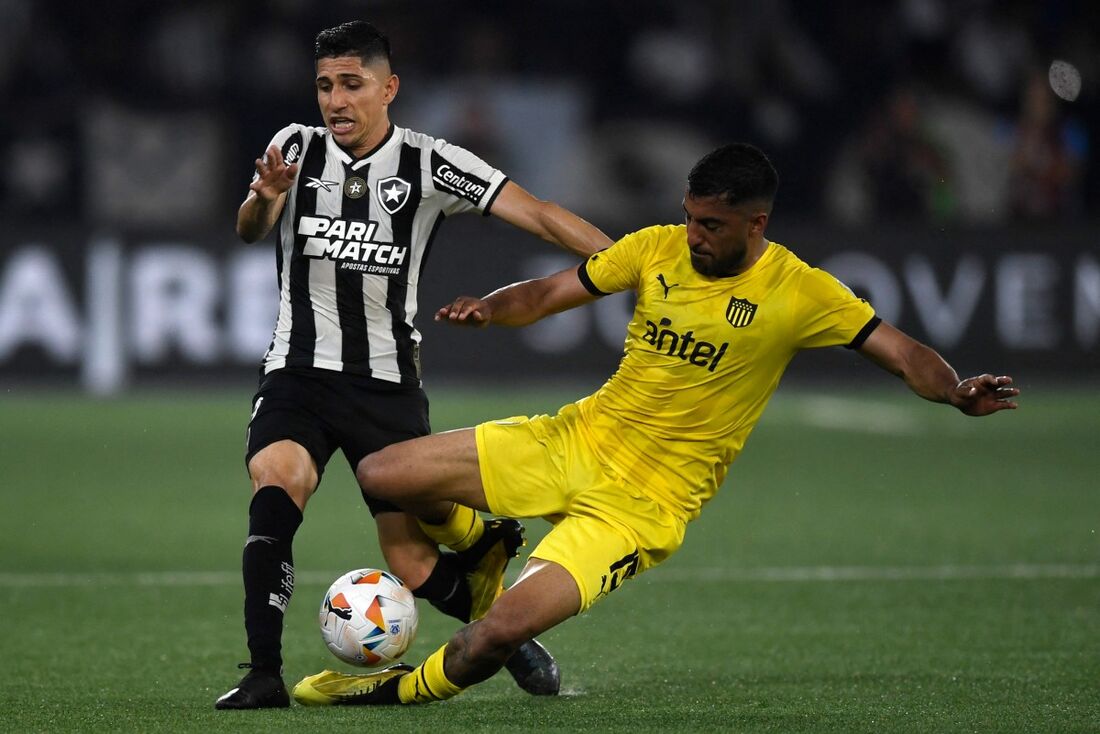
(586, 281)
(865, 332)
(408, 168)
(303, 330)
(355, 346)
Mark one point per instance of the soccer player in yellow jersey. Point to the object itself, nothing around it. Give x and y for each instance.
(620, 473)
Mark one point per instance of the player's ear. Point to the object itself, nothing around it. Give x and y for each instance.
(758, 222)
(390, 89)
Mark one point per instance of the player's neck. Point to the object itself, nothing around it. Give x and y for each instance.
(754, 252)
(374, 141)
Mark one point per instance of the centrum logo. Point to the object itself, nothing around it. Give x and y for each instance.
(350, 243)
(685, 346)
(460, 183)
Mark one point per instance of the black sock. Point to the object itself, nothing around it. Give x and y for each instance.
(446, 588)
(268, 568)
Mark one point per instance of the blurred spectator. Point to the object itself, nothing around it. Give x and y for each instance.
(908, 173)
(39, 174)
(993, 47)
(597, 94)
(15, 24)
(1047, 155)
(897, 169)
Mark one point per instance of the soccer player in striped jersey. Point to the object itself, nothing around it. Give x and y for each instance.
(620, 474)
(356, 206)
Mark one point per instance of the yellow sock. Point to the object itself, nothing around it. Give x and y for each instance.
(462, 528)
(428, 682)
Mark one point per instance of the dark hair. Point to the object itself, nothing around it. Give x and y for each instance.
(354, 38)
(737, 172)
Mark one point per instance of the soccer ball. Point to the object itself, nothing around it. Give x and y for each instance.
(368, 618)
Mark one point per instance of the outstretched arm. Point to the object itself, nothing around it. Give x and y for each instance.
(549, 221)
(266, 195)
(928, 375)
(520, 303)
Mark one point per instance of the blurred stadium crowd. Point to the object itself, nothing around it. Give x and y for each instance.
(141, 114)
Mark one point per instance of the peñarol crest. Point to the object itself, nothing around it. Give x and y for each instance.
(740, 312)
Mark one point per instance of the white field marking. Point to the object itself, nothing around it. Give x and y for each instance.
(153, 579)
(849, 414)
(947, 572)
(711, 574)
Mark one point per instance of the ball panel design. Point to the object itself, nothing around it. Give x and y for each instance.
(368, 618)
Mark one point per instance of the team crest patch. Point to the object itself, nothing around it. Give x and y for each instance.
(740, 312)
(355, 187)
(393, 192)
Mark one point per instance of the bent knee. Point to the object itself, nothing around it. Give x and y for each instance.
(285, 464)
(377, 475)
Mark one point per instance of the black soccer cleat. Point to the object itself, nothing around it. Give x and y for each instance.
(259, 689)
(534, 669)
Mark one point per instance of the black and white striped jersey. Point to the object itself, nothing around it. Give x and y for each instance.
(352, 241)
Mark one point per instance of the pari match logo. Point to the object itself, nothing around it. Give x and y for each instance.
(350, 243)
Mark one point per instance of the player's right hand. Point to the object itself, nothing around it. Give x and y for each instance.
(466, 311)
(984, 394)
(273, 176)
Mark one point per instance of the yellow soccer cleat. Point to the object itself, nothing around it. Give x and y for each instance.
(329, 688)
(484, 562)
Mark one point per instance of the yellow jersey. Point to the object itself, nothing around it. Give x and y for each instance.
(702, 357)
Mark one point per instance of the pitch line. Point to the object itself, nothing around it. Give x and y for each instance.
(862, 416)
(670, 574)
(1024, 571)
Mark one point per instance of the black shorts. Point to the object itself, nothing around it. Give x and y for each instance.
(325, 410)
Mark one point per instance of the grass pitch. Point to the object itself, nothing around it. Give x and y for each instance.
(874, 563)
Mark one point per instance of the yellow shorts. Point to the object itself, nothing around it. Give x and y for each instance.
(605, 531)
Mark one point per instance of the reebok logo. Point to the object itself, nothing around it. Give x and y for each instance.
(317, 183)
(350, 242)
(685, 346)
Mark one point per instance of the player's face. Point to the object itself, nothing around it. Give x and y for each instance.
(723, 240)
(354, 100)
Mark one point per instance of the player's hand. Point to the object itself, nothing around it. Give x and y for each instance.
(984, 394)
(466, 311)
(275, 177)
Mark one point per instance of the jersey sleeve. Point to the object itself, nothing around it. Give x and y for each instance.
(465, 182)
(291, 141)
(827, 313)
(619, 267)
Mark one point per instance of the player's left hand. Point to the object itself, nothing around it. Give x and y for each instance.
(466, 311)
(984, 394)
